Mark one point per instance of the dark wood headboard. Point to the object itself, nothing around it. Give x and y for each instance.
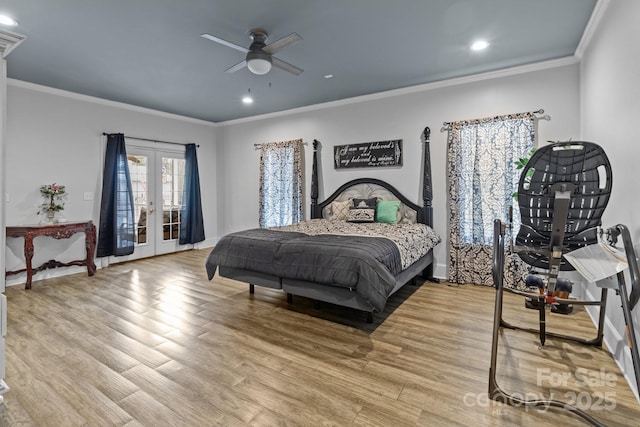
(424, 213)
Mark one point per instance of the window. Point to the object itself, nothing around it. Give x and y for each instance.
(487, 176)
(483, 176)
(172, 192)
(138, 171)
(280, 184)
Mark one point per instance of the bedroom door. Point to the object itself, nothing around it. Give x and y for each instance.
(157, 179)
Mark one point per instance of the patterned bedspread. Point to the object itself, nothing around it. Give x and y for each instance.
(413, 240)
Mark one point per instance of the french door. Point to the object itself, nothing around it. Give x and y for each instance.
(157, 179)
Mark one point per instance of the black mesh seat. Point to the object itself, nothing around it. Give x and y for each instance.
(578, 173)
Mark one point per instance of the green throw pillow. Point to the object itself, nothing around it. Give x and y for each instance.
(387, 211)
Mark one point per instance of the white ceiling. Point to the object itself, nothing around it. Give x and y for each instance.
(149, 53)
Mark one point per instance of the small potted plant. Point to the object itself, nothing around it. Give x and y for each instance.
(53, 195)
(520, 164)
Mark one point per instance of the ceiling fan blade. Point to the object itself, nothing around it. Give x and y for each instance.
(224, 42)
(286, 66)
(239, 66)
(281, 43)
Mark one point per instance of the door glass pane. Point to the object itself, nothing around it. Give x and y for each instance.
(172, 188)
(138, 169)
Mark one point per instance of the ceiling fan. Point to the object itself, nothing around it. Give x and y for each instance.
(260, 57)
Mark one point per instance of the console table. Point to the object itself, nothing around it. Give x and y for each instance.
(57, 231)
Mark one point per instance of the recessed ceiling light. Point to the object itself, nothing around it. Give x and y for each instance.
(328, 76)
(7, 20)
(480, 45)
(247, 99)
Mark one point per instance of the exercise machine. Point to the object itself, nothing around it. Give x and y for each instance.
(562, 194)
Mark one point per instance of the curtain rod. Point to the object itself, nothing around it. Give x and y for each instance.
(445, 125)
(153, 140)
(260, 145)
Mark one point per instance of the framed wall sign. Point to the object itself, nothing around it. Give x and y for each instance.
(368, 154)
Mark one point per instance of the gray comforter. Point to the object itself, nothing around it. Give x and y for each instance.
(366, 265)
(252, 250)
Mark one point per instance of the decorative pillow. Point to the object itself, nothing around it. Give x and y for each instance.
(362, 215)
(340, 210)
(365, 203)
(387, 211)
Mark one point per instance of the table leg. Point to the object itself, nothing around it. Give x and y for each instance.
(90, 245)
(28, 256)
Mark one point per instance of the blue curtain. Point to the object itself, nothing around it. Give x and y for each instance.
(191, 223)
(116, 235)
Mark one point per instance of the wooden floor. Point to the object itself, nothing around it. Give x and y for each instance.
(154, 343)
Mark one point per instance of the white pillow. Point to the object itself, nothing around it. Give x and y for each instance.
(340, 210)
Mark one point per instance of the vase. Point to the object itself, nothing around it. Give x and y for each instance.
(51, 214)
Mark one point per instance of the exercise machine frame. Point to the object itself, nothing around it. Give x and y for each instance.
(628, 303)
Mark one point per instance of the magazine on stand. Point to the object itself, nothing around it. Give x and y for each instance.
(597, 262)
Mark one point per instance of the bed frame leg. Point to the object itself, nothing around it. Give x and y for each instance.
(427, 274)
(252, 288)
(289, 298)
(369, 317)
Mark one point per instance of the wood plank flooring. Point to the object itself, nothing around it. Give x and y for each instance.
(154, 343)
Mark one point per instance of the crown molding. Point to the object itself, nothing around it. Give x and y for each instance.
(105, 102)
(537, 66)
(8, 42)
(592, 26)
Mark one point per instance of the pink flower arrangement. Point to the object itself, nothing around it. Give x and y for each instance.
(53, 195)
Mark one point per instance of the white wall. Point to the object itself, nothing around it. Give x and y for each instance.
(610, 105)
(3, 116)
(403, 116)
(54, 136)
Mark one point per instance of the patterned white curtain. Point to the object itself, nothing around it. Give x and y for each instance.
(482, 156)
(280, 183)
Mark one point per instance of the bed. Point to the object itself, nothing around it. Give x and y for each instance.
(335, 257)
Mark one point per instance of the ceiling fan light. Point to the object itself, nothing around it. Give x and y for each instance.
(8, 21)
(259, 62)
(259, 66)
